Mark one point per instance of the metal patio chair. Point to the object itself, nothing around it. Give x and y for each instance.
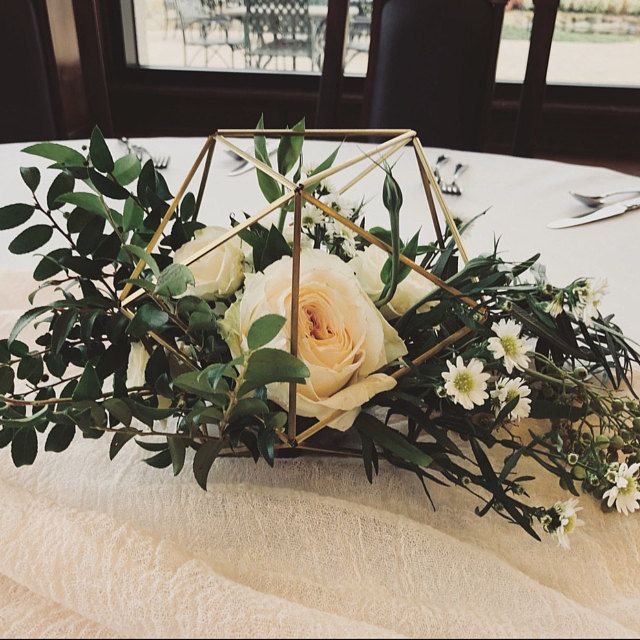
(277, 29)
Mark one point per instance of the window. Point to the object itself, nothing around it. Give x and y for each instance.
(282, 36)
(596, 43)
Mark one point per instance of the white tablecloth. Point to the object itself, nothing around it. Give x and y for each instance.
(97, 548)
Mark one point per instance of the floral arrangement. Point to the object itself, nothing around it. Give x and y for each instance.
(199, 366)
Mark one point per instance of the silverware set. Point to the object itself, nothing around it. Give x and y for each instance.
(450, 188)
(607, 205)
(159, 162)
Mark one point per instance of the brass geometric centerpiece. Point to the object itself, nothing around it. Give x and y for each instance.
(396, 140)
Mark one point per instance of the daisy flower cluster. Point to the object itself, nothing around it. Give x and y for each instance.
(320, 229)
(582, 299)
(467, 384)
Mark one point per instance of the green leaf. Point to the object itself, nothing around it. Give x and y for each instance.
(132, 215)
(60, 437)
(174, 280)
(391, 440)
(31, 368)
(147, 318)
(147, 182)
(160, 460)
(57, 152)
(88, 201)
(188, 207)
(266, 445)
(51, 264)
(272, 365)
(31, 239)
(6, 380)
(24, 446)
(99, 152)
(25, 319)
(106, 186)
(289, 149)
(61, 328)
(177, 449)
(13, 215)
(117, 442)
(89, 386)
(264, 329)
(6, 436)
(62, 184)
(126, 169)
(89, 238)
(247, 407)
(270, 188)
(119, 409)
(275, 248)
(204, 459)
(142, 254)
(31, 177)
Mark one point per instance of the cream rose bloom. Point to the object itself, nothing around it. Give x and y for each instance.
(367, 266)
(343, 338)
(138, 358)
(219, 273)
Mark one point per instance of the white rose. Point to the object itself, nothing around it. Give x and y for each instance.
(367, 266)
(342, 338)
(220, 272)
(138, 358)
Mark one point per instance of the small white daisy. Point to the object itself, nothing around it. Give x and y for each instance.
(568, 514)
(555, 306)
(466, 384)
(624, 491)
(509, 345)
(339, 203)
(311, 216)
(506, 390)
(589, 298)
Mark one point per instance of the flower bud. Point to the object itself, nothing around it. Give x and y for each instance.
(617, 442)
(617, 405)
(578, 473)
(602, 441)
(580, 373)
(572, 458)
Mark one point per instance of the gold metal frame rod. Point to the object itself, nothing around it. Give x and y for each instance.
(262, 166)
(318, 133)
(375, 164)
(318, 177)
(441, 201)
(168, 215)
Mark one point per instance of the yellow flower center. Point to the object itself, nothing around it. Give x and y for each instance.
(571, 524)
(631, 486)
(463, 382)
(511, 394)
(510, 345)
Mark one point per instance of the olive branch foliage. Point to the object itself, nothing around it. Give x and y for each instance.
(71, 381)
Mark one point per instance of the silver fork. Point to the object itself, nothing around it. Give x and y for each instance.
(440, 162)
(452, 187)
(159, 162)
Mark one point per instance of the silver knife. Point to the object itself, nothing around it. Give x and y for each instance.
(609, 211)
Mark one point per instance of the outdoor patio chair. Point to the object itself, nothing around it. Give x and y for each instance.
(204, 28)
(279, 29)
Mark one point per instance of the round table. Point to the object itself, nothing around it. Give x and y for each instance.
(97, 548)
